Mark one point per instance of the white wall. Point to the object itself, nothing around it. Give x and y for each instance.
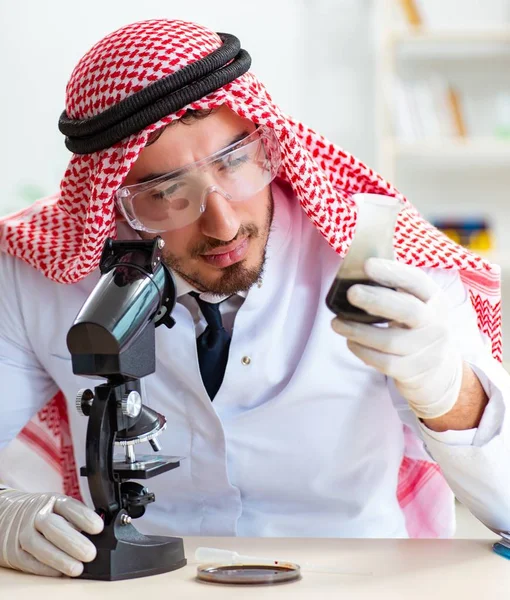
(339, 57)
(314, 56)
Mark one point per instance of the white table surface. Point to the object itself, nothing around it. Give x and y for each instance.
(411, 569)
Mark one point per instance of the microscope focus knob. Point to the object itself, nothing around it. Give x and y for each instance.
(131, 404)
(84, 400)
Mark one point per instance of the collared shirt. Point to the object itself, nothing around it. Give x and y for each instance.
(229, 305)
(302, 439)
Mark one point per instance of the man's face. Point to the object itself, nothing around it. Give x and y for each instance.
(223, 251)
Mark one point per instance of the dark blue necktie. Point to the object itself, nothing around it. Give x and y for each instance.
(212, 346)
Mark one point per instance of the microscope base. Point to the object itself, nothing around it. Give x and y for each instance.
(125, 553)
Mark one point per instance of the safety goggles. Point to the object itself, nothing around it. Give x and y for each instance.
(178, 198)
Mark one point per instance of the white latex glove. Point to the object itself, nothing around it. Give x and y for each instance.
(415, 349)
(39, 533)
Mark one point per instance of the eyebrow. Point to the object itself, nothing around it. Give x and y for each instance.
(239, 137)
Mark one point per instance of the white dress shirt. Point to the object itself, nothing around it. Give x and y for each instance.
(302, 438)
(229, 305)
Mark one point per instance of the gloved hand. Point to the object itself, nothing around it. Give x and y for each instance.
(415, 349)
(39, 533)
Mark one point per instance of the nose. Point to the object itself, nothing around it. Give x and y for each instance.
(219, 220)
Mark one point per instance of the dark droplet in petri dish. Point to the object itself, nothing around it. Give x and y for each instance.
(249, 574)
(337, 302)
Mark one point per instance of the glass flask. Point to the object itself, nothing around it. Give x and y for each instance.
(375, 228)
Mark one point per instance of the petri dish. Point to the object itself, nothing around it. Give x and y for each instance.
(256, 574)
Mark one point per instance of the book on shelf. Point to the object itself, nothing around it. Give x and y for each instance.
(473, 232)
(428, 109)
(422, 15)
(456, 111)
(410, 13)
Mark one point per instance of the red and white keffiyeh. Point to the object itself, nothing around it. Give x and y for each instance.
(63, 235)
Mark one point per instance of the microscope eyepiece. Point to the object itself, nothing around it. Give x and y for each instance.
(113, 334)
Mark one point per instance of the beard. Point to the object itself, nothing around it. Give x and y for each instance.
(234, 278)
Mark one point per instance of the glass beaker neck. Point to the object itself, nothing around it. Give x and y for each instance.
(375, 227)
(377, 211)
(376, 220)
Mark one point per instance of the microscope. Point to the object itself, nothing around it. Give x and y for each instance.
(113, 337)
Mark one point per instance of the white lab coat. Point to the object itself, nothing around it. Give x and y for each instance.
(303, 439)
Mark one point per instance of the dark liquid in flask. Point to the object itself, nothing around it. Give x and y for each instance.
(337, 302)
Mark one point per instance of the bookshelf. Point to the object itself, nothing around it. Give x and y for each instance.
(454, 151)
(466, 168)
(451, 155)
(472, 44)
(420, 37)
(428, 44)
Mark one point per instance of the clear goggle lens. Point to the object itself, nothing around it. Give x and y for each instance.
(177, 199)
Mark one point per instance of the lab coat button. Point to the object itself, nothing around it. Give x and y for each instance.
(246, 360)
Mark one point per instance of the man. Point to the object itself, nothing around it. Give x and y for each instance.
(303, 432)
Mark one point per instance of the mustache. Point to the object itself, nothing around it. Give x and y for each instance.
(249, 230)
